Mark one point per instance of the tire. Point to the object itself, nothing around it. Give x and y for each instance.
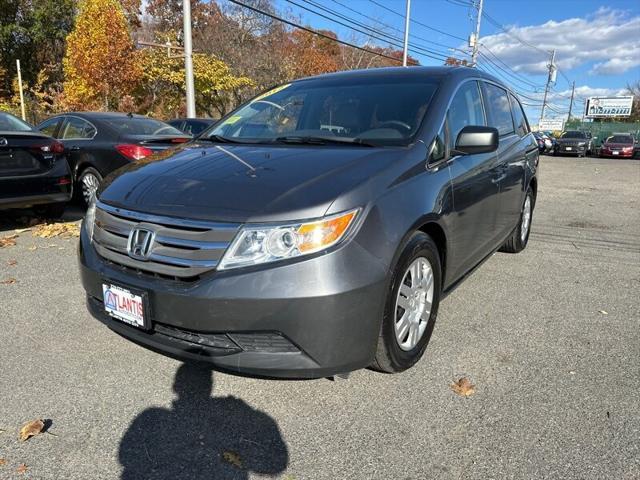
(518, 240)
(391, 356)
(87, 178)
(52, 210)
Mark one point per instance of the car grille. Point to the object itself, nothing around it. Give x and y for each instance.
(182, 248)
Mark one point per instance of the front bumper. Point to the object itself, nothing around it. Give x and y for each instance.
(570, 150)
(53, 186)
(312, 318)
(620, 154)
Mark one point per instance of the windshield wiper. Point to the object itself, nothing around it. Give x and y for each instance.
(311, 140)
(217, 139)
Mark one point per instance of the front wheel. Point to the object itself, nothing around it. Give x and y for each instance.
(520, 236)
(411, 306)
(88, 183)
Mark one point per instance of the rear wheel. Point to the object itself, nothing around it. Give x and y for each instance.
(88, 183)
(520, 236)
(411, 306)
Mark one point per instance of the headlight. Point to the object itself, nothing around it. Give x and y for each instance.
(582, 144)
(90, 219)
(259, 244)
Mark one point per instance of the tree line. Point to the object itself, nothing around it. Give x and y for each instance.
(88, 55)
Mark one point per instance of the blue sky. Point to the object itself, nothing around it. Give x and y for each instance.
(597, 42)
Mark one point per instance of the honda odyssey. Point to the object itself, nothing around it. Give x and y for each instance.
(314, 230)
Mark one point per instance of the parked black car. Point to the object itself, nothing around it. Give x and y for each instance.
(100, 142)
(315, 229)
(33, 169)
(574, 142)
(540, 141)
(192, 126)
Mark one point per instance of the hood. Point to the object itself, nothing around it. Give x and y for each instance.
(244, 183)
(617, 145)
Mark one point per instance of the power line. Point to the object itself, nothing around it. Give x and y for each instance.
(529, 86)
(384, 7)
(374, 33)
(314, 32)
(520, 76)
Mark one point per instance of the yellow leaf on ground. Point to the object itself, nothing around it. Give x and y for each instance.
(8, 281)
(12, 263)
(62, 229)
(32, 248)
(232, 458)
(8, 241)
(21, 230)
(22, 468)
(463, 387)
(31, 429)
(2, 461)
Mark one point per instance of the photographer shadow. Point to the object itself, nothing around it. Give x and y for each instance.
(201, 437)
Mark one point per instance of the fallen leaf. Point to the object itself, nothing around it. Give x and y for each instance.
(603, 312)
(21, 230)
(12, 263)
(3, 461)
(61, 229)
(232, 458)
(22, 468)
(8, 241)
(32, 248)
(463, 387)
(31, 429)
(8, 281)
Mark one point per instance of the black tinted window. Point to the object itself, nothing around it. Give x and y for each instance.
(499, 109)
(9, 123)
(77, 128)
(49, 127)
(438, 150)
(522, 128)
(573, 134)
(465, 110)
(620, 139)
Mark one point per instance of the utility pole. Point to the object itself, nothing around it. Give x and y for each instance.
(24, 117)
(407, 16)
(475, 44)
(573, 90)
(188, 58)
(550, 79)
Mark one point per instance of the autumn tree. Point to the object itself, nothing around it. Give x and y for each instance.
(101, 63)
(162, 87)
(311, 54)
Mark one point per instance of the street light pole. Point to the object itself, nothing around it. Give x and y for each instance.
(188, 58)
(406, 34)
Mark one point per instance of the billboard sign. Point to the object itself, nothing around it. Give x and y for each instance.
(603, 107)
(553, 124)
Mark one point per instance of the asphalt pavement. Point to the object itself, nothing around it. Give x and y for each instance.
(549, 337)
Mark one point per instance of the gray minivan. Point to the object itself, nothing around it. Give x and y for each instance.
(314, 230)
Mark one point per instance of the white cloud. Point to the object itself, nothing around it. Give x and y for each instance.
(609, 37)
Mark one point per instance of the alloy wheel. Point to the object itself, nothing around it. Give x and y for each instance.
(526, 219)
(90, 184)
(413, 303)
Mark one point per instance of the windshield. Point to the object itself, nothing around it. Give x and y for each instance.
(573, 135)
(9, 123)
(619, 139)
(381, 113)
(141, 126)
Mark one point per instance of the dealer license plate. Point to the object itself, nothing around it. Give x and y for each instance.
(568, 148)
(616, 153)
(124, 305)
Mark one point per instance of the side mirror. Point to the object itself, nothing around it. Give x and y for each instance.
(476, 139)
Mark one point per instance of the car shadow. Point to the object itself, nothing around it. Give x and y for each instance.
(24, 218)
(201, 437)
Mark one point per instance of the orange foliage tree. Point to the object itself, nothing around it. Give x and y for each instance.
(101, 63)
(310, 54)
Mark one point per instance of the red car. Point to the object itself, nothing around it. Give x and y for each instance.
(618, 146)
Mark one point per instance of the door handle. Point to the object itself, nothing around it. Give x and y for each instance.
(74, 148)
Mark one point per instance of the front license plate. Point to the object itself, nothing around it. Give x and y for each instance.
(124, 305)
(616, 153)
(568, 148)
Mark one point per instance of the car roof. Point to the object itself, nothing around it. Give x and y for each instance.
(385, 73)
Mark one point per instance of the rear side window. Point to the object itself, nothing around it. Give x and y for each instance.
(9, 123)
(49, 127)
(465, 109)
(76, 128)
(522, 127)
(498, 108)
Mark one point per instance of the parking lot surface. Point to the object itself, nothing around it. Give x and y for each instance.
(549, 337)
